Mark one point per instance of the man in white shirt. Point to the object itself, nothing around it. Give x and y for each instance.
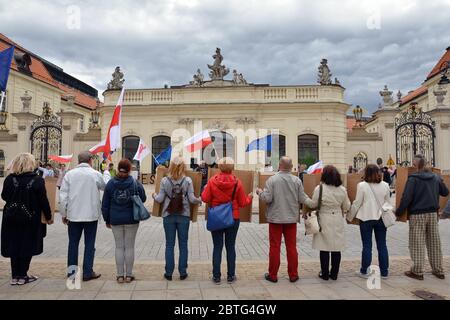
(80, 208)
(47, 171)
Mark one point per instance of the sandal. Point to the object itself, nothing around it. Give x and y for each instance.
(30, 279)
(120, 279)
(129, 279)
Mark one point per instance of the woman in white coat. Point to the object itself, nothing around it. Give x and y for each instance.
(370, 195)
(331, 239)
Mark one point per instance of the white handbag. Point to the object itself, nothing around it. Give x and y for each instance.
(312, 225)
(387, 212)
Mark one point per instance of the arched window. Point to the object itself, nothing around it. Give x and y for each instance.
(159, 144)
(2, 163)
(222, 146)
(308, 149)
(278, 150)
(360, 161)
(130, 145)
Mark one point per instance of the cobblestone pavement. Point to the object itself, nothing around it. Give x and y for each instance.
(252, 255)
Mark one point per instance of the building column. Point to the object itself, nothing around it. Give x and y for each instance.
(25, 120)
(69, 121)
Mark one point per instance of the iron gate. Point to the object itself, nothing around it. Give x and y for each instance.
(46, 135)
(414, 134)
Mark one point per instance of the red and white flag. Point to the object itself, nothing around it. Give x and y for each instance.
(113, 139)
(142, 151)
(198, 141)
(100, 147)
(61, 159)
(315, 168)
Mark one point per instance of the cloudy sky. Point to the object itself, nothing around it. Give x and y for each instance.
(368, 43)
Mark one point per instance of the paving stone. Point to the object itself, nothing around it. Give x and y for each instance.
(320, 292)
(149, 295)
(40, 295)
(48, 285)
(150, 285)
(114, 295)
(186, 284)
(111, 285)
(286, 292)
(224, 293)
(78, 295)
(184, 294)
(252, 293)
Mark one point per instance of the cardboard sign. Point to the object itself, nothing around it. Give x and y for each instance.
(310, 182)
(246, 178)
(50, 187)
(443, 200)
(196, 178)
(402, 178)
(352, 185)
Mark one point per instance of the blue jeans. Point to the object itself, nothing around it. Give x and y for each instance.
(173, 225)
(366, 228)
(75, 229)
(230, 245)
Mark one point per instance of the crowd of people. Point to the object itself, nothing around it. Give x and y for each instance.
(81, 206)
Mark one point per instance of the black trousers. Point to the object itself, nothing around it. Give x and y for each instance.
(20, 266)
(325, 263)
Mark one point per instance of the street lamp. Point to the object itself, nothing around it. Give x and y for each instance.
(358, 113)
(95, 116)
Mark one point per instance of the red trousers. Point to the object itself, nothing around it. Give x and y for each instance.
(289, 231)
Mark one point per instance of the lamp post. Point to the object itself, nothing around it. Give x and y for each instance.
(95, 116)
(358, 113)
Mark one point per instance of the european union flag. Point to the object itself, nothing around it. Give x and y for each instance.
(164, 156)
(264, 144)
(5, 64)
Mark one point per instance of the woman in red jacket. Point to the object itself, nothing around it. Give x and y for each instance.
(218, 191)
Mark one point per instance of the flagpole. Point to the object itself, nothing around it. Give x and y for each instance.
(1, 101)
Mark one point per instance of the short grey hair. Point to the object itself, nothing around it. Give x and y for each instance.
(286, 164)
(84, 157)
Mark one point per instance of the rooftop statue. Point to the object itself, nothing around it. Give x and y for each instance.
(324, 75)
(238, 78)
(198, 79)
(218, 71)
(117, 81)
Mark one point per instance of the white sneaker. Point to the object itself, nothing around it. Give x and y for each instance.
(362, 275)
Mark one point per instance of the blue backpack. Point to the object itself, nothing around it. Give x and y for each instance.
(221, 217)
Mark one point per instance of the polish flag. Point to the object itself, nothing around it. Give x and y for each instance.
(315, 168)
(113, 140)
(61, 159)
(198, 141)
(142, 151)
(100, 147)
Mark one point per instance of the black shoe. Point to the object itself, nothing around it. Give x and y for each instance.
(168, 278)
(334, 277)
(294, 279)
(183, 277)
(216, 280)
(268, 278)
(321, 276)
(92, 277)
(231, 279)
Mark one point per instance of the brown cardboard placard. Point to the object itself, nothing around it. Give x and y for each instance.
(50, 188)
(196, 178)
(246, 178)
(352, 184)
(310, 182)
(443, 200)
(402, 178)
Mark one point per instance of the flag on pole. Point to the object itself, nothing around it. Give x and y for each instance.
(142, 151)
(113, 139)
(198, 141)
(61, 159)
(99, 147)
(264, 144)
(315, 168)
(5, 65)
(164, 156)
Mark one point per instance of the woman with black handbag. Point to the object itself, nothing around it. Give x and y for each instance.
(22, 231)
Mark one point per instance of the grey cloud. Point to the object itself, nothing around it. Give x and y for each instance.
(275, 42)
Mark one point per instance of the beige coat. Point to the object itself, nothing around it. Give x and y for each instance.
(335, 201)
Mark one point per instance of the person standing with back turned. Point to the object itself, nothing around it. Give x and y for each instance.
(421, 199)
(80, 208)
